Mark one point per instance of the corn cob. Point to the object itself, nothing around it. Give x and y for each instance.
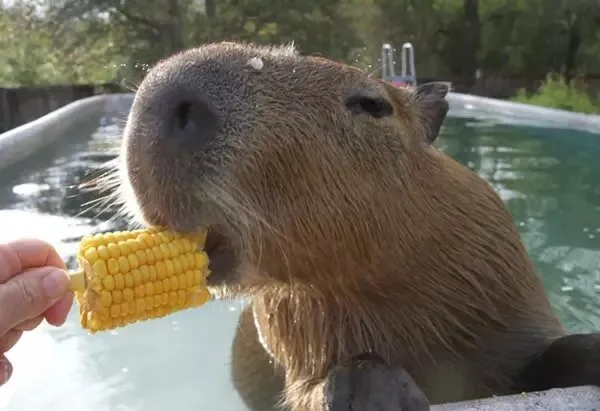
(131, 276)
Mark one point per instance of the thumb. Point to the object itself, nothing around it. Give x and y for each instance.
(30, 294)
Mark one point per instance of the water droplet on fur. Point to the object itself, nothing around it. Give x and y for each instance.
(256, 63)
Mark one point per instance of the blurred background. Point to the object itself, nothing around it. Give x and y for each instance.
(486, 47)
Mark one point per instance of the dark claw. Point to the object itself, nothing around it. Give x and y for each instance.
(367, 383)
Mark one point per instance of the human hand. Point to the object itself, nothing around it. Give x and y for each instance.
(33, 285)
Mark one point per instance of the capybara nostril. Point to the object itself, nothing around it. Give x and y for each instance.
(195, 121)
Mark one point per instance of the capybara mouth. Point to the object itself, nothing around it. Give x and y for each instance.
(222, 263)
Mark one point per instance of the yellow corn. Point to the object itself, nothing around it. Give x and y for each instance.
(131, 276)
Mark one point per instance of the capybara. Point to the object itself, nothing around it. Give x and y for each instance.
(380, 273)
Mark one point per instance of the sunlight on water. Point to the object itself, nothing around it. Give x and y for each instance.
(549, 180)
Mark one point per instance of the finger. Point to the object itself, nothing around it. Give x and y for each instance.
(57, 314)
(9, 340)
(30, 294)
(6, 369)
(19, 255)
(29, 324)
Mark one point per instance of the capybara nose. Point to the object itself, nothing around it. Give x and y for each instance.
(194, 123)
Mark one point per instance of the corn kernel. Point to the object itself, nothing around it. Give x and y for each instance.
(117, 297)
(164, 249)
(133, 261)
(115, 310)
(191, 260)
(173, 250)
(145, 270)
(134, 245)
(123, 247)
(140, 291)
(119, 281)
(174, 283)
(157, 253)
(150, 257)
(177, 266)
(149, 288)
(137, 276)
(152, 271)
(170, 267)
(189, 277)
(128, 280)
(164, 299)
(103, 252)
(114, 250)
(109, 283)
(105, 299)
(141, 257)
(91, 255)
(147, 239)
(182, 281)
(123, 264)
(167, 284)
(128, 294)
(113, 266)
(100, 268)
(161, 270)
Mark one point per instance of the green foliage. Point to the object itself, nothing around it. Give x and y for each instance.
(96, 41)
(556, 93)
(35, 53)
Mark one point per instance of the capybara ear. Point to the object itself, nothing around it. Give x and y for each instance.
(430, 98)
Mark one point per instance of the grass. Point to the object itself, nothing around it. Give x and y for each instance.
(556, 93)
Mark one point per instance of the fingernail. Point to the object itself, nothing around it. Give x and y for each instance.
(55, 283)
(6, 372)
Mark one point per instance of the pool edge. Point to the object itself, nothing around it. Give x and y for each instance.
(584, 398)
(21, 142)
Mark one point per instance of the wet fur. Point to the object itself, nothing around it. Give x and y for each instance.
(349, 233)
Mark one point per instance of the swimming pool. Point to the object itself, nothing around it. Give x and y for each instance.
(548, 179)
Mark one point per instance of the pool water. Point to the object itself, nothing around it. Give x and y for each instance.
(547, 178)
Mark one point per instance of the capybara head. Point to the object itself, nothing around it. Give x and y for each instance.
(308, 173)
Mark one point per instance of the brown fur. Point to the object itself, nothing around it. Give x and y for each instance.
(350, 233)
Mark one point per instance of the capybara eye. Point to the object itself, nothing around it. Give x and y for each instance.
(374, 106)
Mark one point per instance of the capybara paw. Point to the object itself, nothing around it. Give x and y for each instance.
(367, 383)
